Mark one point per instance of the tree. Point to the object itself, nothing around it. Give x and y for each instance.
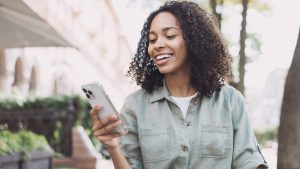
(243, 36)
(216, 7)
(289, 128)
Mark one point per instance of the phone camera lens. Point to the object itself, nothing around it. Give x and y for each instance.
(84, 90)
(90, 92)
(88, 96)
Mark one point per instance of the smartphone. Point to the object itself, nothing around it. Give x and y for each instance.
(96, 95)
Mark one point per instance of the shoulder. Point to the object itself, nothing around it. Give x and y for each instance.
(136, 96)
(228, 96)
(136, 99)
(231, 94)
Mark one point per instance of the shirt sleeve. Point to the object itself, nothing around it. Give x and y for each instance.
(130, 142)
(246, 151)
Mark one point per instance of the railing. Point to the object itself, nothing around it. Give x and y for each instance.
(55, 126)
(54, 122)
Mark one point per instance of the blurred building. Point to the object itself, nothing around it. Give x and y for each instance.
(101, 53)
(264, 105)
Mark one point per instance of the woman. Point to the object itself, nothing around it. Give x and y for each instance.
(184, 116)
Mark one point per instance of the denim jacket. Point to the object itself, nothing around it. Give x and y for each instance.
(216, 133)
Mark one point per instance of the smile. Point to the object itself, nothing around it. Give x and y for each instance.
(162, 57)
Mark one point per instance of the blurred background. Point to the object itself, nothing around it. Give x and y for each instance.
(49, 48)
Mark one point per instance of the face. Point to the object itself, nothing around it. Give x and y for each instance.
(167, 47)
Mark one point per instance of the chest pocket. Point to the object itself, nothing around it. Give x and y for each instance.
(155, 144)
(214, 141)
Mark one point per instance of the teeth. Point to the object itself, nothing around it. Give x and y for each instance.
(165, 56)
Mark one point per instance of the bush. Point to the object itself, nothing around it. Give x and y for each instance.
(22, 141)
(52, 117)
(266, 135)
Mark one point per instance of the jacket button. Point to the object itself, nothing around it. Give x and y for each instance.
(189, 123)
(184, 148)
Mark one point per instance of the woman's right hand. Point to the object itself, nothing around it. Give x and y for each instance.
(102, 128)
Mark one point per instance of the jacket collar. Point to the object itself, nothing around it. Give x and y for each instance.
(163, 93)
(160, 93)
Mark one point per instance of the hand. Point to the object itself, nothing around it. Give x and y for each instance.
(102, 128)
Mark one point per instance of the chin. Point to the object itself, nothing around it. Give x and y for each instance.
(165, 71)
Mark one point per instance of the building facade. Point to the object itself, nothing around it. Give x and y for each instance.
(100, 52)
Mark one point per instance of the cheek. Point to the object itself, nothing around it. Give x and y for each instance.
(181, 49)
(179, 45)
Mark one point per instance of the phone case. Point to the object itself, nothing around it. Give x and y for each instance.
(96, 95)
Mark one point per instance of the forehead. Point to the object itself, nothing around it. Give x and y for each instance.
(164, 20)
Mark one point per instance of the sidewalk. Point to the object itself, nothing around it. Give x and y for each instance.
(271, 157)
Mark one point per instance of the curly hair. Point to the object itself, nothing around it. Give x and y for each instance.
(207, 50)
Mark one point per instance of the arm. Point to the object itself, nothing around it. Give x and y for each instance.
(118, 158)
(246, 152)
(130, 144)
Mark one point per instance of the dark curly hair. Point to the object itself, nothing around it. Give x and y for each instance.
(207, 51)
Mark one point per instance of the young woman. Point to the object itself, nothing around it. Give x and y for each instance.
(184, 116)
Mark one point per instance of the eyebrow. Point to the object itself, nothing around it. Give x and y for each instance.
(165, 29)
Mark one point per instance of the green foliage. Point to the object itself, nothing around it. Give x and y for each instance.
(83, 108)
(53, 102)
(74, 109)
(266, 135)
(22, 141)
(9, 142)
(11, 103)
(59, 103)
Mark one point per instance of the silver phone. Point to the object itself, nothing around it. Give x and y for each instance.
(96, 95)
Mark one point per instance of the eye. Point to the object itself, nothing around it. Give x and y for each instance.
(171, 36)
(152, 41)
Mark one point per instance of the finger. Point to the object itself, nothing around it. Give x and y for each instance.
(94, 113)
(123, 133)
(97, 126)
(107, 129)
(120, 134)
(106, 138)
(108, 120)
(102, 123)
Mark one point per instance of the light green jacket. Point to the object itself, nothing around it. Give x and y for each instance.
(216, 133)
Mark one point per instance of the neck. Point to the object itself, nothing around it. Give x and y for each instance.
(179, 85)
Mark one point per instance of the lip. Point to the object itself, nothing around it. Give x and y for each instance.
(155, 56)
(162, 62)
(160, 54)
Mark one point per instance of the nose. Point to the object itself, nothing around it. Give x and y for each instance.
(160, 44)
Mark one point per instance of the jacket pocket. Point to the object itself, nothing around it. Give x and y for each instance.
(155, 144)
(214, 141)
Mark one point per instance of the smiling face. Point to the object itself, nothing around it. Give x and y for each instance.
(167, 47)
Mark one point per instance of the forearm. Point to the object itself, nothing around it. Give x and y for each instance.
(118, 158)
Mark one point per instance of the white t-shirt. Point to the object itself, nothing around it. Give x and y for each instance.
(183, 103)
